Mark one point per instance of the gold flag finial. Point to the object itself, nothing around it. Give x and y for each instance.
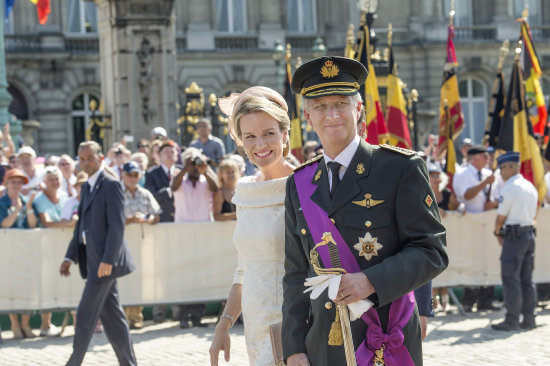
(351, 34)
(288, 52)
(518, 50)
(525, 12)
(390, 34)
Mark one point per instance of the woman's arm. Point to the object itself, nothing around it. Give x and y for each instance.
(231, 312)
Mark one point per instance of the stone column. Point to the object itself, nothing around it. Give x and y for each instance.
(138, 66)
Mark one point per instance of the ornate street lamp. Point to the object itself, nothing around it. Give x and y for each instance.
(319, 49)
(278, 56)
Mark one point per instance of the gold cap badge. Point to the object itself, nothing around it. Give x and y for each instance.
(329, 69)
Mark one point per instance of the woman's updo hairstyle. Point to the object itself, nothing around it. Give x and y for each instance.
(252, 100)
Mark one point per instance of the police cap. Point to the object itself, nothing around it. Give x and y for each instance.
(507, 157)
(479, 149)
(330, 75)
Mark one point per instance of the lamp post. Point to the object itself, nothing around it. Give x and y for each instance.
(318, 49)
(278, 56)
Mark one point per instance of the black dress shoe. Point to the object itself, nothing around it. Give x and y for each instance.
(488, 308)
(505, 326)
(528, 325)
(184, 324)
(200, 325)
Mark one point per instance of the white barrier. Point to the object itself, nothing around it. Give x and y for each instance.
(178, 263)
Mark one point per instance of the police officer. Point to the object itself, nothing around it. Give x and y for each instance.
(515, 233)
(379, 201)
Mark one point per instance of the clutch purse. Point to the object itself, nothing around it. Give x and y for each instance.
(276, 343)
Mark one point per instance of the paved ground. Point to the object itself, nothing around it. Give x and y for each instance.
(452, 340)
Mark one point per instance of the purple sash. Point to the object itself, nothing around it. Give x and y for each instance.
(401, 309)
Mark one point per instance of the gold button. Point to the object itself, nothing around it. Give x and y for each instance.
(368, 223)
(334, 222)
(328, 305)
(303, 231)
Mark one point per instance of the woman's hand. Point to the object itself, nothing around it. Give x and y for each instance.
(221, 341)
(30, 201)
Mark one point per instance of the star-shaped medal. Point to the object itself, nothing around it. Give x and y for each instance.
(368, 246)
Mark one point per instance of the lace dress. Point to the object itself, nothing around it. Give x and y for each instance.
(260, 239)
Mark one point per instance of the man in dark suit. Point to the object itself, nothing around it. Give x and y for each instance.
(158, 179)
(99, 248)
(379, 202)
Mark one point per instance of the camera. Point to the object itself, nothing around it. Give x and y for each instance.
(198, 161)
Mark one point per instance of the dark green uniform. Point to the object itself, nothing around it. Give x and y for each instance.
(384, 192)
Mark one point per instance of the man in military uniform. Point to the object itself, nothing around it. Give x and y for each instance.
(515, 233)
(378, 201)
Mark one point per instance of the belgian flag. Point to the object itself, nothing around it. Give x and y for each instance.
(396, 109)
(497, 112)
(450, 97)
(517, 133)
(532, 74)
(296, 136)
(377, 130)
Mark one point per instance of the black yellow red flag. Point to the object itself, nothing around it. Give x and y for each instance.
(396, 108)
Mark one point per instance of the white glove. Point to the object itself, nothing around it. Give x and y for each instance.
(319, 283)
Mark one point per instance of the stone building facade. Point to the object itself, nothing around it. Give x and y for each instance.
(228, 45)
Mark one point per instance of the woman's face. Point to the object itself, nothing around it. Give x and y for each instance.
(229, 176)
(262, 139)
(14, 186)
(51, 181)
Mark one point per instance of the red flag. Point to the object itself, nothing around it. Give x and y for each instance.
(450, 95)
(396, 109)
(42, 9)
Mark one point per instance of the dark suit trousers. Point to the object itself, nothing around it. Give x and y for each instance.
(100, 301)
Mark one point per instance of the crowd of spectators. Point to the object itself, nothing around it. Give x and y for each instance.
(166, 182)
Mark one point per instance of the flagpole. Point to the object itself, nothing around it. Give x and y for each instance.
(504, 49)
(5, 96)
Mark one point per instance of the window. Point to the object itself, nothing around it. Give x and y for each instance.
(471, 12)
(473, 97)
(534, 10)
(8, 24)
(301, 16)
(231, 15)
(463, 12)
(81, 17)
(81, 114)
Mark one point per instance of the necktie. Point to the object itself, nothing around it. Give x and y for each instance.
(169, 175)
(335, 169)
(479, 176)
(69, 189)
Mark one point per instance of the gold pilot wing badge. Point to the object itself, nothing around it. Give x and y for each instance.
(360, 168)
(368, 202)
(329, 69)
(368, 246)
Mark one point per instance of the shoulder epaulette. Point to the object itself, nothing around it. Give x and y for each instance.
(318, 157)
(398, 150)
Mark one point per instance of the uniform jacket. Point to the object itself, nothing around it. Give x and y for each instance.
(101, 217)
(157, 182)
(406, 223)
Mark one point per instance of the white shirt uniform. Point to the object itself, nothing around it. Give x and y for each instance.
(518, 201)
(344, 158)
(466, 179)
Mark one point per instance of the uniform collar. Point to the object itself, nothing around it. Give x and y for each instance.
(344, 158)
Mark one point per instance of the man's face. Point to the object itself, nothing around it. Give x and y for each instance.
(89, 162)
(507, 170)
(168, 156)
(203, 129)
(131, 179)
(334, 119)
(480, 161)
(65, 167)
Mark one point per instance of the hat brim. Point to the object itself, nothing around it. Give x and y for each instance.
(330, 91)
(24, 177)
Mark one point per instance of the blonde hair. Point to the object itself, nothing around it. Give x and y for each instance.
(228, 164)
(260, 99)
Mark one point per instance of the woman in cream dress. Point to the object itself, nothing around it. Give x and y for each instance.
(260, 123)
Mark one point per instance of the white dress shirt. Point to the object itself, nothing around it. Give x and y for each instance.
(518, 201)
(93, 179)
(344, 158)
(466, 179)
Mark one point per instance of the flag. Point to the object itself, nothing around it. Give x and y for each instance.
(497, 112)
(377, 130)
(42, 9)
(296, 138)
(349, 51)
(396, 110)
(518, 134)
(449, 92)
(9, 6)
(450, 158)
(532, 74)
